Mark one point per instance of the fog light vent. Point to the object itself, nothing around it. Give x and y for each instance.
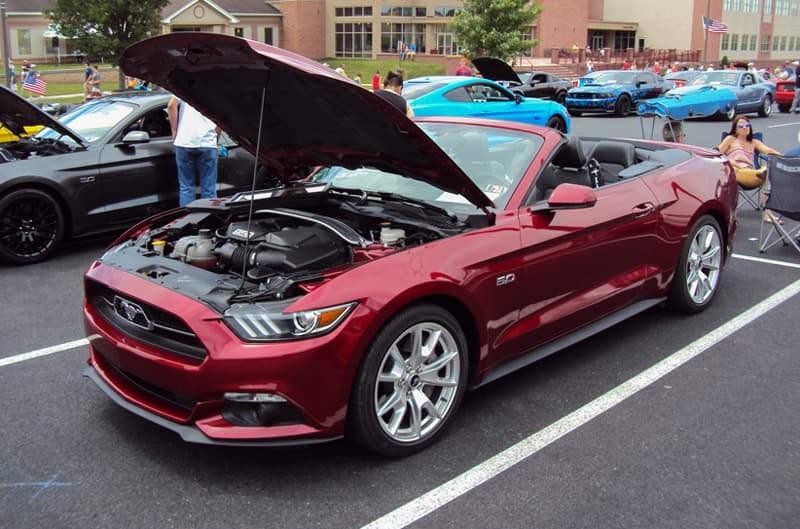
(259, 409)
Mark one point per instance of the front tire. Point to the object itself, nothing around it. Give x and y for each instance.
(410, 382)
(31, 225)
(697, 276)
(623, 106)
(766, 107)
(729, 114)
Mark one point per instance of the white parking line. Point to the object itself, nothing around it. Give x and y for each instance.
(765, 260)
(43, 352)
(463, 483)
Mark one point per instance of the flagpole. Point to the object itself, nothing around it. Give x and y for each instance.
(705, 34)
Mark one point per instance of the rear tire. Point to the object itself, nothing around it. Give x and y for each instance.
(557, 123)
(31, 226)
(697, 276)
(410, 382)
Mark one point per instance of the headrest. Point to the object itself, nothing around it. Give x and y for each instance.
(615, 152)
(570, 155)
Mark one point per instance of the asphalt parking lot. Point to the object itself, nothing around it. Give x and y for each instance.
(663, 421)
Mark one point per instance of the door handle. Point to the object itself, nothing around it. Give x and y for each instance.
(643, 209)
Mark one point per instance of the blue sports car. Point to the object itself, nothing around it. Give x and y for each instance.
(480, 98)
(753, 94)
(614, 91)
(692, 102)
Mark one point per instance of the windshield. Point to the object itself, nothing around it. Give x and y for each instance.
(718, 77)
(613, 78)
(495, 159)
(92, 121)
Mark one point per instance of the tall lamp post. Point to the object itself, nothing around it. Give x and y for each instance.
(6, 58)
(705, 34)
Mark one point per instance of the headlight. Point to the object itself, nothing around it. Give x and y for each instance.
(267, 321)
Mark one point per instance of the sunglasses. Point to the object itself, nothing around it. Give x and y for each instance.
(743, 124)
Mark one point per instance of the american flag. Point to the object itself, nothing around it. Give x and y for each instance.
(37, 87)
(714, 26)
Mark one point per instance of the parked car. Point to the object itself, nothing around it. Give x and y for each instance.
(101, 167)
(614, 91)
(784, 93)
(366, 301)
(480, 98)
(682, 77)
(753, 94)
(692, 101)
(544, 85)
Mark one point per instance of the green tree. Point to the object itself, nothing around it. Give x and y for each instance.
(102, 29)
(494, 27)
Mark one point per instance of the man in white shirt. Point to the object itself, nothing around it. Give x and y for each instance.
(195, 138)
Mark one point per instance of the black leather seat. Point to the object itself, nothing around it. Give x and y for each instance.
(613, 157)
(568, 166)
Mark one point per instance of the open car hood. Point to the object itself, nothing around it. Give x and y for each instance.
(496, 70)
(311, 115)
(16, 113)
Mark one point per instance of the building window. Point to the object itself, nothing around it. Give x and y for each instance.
(357, 11)
(395, 36)
(756, 5)
(24, 41)
(420, 11)
(396, 11)
(624, 40)
(354, 40)
(767, 7)
(748, 6)
(726, 5)
(734, 42)
(269, 36)
(723, 42)
(444, 11)
(775, 42)
(791, 43)
(753, 42)
(765, 43)
(783, 43)
(736, 5)
(795, 8)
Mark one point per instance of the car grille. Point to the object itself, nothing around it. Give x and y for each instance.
(583, 96)
(118, 375)
(144, 322)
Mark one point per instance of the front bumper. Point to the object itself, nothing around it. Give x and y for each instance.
(184, 392)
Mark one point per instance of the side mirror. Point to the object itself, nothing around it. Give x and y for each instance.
(568, 196)
(518, 98)
(136, 136)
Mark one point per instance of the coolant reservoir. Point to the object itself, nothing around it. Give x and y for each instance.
(391, 235)
(197, 250)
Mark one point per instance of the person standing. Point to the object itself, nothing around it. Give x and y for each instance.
(376, 80)
(464, 70)
(87, 77)
(12, 77)
(392, 92)
(796, 101)
(94, 82)
(195, 138)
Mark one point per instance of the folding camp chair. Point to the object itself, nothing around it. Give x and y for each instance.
(751, 195)
(783, 204)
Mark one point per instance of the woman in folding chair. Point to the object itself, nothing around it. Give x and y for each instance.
(741, 149)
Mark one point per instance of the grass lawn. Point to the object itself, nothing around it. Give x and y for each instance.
(73, 92)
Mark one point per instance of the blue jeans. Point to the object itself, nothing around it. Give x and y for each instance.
(200, 163)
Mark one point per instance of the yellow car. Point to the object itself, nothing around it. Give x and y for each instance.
(7, 136)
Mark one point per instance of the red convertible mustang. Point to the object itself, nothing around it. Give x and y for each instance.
(403, 263)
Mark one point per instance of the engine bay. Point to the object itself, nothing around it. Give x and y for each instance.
(218, 252)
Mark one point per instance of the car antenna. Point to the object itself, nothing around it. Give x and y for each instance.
(253, 186)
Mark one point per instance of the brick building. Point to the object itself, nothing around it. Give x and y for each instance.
(764, 31)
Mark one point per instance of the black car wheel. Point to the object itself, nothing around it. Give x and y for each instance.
(698, 273)
(31, 225)
(410, 382)
(561, 96)
(623, 106)
(558, 123)
(766, 107)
